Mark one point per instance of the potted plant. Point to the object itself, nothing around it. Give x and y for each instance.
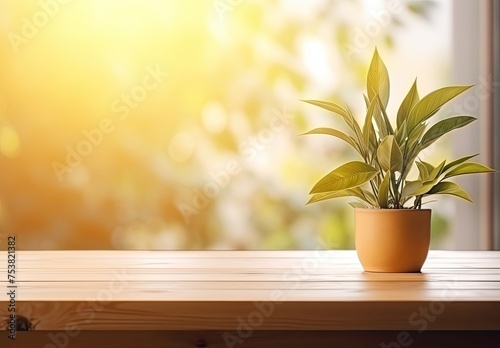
(392, 231)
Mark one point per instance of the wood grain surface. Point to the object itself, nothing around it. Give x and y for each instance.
(75, 291)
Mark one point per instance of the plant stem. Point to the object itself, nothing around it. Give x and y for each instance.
(373, 188)
(395, 188)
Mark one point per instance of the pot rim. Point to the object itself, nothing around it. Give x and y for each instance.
(387, 210)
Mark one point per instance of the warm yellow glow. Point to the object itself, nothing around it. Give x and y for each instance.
(9, 142)
(72, 59)
(118, 113)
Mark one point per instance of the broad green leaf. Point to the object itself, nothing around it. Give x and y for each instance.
(415, 135)
(423, 173)
(383, 192)
(345, 113)
(354, 192)
(349, 175)
(389, 154)
(425, 187)
(429, 166)
(377, 81)
(412, 149)
(449, 188)
(368, 126)
(411, 186)
(333, 107)
(417, 187)
(401, 133)
(360, 205)
(329, 195)
(333, 132)
(457, 162)
(376, 180)
(436, 172)
(443, 127)
(431, 103)
(408, 103)
(408, 163)
(468, 168)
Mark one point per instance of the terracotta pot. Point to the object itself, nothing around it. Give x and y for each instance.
(392, 240)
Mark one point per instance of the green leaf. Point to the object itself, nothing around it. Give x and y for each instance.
(349, 175)
(336, 133)
(379, 120)
(373, 141)
(416, 134)
(354, 192)
(389, 154)
(468, 168)
(423, 173)
(383, 192)
(335, 108)
(431, 103)
(329, 195)
(368, 126)
(429, 166)
(408, 103)
(387, 122)
(417, 187)
(345, 113)
(443, 127)
(457, 162)
(436, 172)
(449, 188)
(412, 149)
(411, 187)
(378, 80)
(356, 129)
(367, 102)
(401, 133)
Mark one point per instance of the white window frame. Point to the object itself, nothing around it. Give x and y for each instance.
(473, 34)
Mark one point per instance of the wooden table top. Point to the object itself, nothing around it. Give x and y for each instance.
(281, 290)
